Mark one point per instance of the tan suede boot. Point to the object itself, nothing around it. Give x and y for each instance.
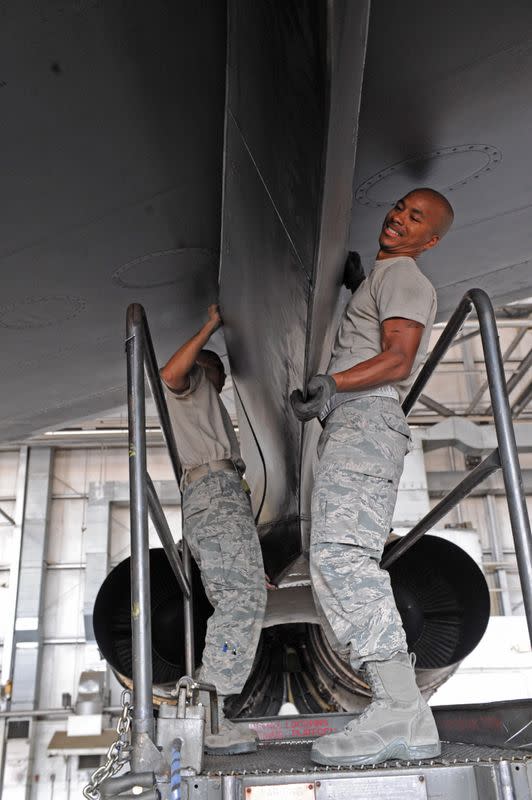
(397, 724)
(230, 738)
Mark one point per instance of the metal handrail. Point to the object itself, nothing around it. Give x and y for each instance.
(505, 457)
(144, 500)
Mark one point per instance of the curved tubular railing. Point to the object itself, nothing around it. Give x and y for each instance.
(504, 457)
(144, 500)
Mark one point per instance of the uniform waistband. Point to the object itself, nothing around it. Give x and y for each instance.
(340, 398)
(196, 473)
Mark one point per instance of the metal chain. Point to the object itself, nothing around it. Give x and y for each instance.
(117, 755)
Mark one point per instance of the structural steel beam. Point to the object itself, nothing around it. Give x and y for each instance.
(522, 370)
(523, 400)
(471, 438)
(439, 408)
(440, 482)
(482, 389)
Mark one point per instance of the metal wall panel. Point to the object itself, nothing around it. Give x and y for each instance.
(8, 473)
(63, 604)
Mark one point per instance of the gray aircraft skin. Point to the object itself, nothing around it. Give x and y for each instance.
(113, 129)
(112, 144)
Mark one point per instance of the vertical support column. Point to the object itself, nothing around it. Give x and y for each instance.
(188, 612)
(513, 479)
(497, 552)
(162, 409)
(11, 609)
(14, 569)
(23, 663)
(143, 721)
(28, 628)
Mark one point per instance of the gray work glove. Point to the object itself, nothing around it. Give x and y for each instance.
(353, 272)
(320, 389)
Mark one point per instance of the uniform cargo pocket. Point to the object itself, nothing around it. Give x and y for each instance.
(357, 512)
(339, 460)
(399, 425)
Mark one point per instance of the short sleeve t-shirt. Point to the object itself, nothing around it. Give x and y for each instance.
(394, 288)
(202, 427)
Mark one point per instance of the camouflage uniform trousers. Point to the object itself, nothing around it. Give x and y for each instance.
(360, 459)
(220, 531)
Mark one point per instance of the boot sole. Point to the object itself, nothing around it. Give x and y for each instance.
(232, 749)
(398, 749)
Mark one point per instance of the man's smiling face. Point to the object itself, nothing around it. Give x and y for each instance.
(411, 227)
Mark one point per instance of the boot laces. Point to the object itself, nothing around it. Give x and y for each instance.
(354, 724)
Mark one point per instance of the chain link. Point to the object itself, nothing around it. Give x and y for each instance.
(118, 754)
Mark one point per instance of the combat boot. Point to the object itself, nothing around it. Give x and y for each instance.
(397, 724)
(230, 738)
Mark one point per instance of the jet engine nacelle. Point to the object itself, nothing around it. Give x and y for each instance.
(440, 591)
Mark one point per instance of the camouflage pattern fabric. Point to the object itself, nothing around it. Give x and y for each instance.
(360, 460)
(221, 533)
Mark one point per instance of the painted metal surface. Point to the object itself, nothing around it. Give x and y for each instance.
(102, 214)
(140, 615)
(292, 791)
(445, 91)
(463, 772)
(141, 359)
(293, 83)
(504, 724)
(114, 133)
(400, 787)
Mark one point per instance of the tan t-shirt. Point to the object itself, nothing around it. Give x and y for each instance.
(202, 427)
(394, 288)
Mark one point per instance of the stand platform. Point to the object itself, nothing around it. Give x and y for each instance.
(493, 761)
(281, 769)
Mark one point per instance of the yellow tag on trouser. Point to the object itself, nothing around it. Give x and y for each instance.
(244, 484)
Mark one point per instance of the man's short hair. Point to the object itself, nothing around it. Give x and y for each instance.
(208, 358)
(445, 215)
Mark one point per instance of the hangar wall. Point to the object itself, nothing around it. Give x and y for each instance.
(76, 474)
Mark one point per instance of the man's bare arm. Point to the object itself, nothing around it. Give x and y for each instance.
(400, 340)
(175, 372)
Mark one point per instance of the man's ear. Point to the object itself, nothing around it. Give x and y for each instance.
(432, 242)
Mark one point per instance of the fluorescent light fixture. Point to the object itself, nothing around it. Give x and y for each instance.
(27, 624)
(94, 431)
(100, 431)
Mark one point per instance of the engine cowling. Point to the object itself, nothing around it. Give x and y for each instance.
(440, 592)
